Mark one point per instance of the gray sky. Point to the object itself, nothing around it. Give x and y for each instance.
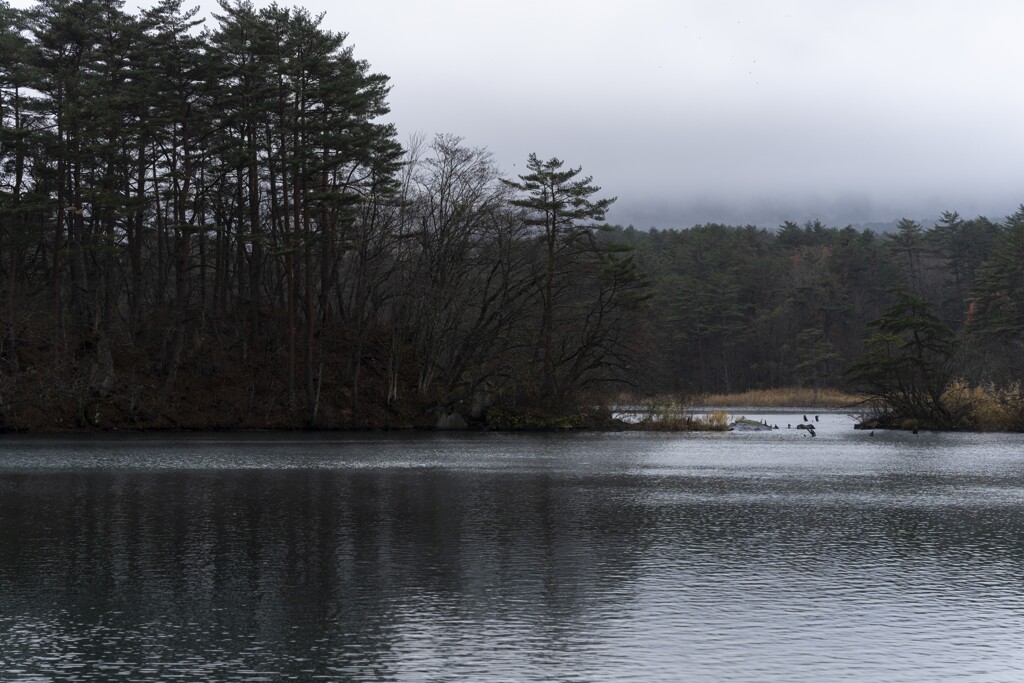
(723, 111)
(729, 111)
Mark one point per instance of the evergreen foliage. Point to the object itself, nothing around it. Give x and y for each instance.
(906, 366)
(210, 226)
(591, 292)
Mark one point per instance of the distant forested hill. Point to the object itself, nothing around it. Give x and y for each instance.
(741, 307)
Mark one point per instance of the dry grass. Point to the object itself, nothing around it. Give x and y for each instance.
(673, 416)
(986, 408)
(783, 398)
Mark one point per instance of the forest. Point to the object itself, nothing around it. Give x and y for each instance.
(209, 227)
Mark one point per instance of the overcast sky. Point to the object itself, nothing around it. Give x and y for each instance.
(741, 111)
(723, 111)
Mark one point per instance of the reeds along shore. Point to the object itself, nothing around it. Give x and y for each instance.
(975, 408)
(689, 414)
(986, 408)
(784, 397)
(759, 398)
(676, 417)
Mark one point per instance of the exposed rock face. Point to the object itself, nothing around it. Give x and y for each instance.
(745, 425)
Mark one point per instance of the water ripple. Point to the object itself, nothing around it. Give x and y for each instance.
(513, 558)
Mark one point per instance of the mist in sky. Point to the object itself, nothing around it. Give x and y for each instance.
(722, 111)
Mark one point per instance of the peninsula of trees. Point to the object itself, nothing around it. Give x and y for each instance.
(210, 227)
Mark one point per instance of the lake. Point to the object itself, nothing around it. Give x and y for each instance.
(761, 556)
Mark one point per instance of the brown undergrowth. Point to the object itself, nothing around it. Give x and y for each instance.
(676, 416)
(783, 397)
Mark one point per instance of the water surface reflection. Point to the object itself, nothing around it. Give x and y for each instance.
(491, 557)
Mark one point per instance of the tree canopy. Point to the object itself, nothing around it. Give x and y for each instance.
(213, 226)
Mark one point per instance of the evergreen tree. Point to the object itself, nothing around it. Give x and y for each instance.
(906, 366)
(908, 244)
(997, 301)
(20, 205)
(559, 204)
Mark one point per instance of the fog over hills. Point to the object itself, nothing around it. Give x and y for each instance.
(860, 214)
(733, 112)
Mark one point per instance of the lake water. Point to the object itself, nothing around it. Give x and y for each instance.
(765, 556)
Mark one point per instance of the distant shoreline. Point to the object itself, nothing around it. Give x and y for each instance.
(782, 397)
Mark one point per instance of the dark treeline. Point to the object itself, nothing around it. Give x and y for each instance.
(922, 308)
(210, 227)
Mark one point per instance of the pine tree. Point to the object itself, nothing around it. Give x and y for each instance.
(997, 301)
(906, 366)
(584, 285)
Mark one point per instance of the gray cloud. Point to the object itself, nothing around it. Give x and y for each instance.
(742, 111)
(736, 111)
